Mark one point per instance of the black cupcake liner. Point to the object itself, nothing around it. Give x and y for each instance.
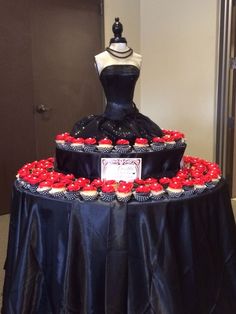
(89, 197)
(157, 147)
(71, 195)
(141, 149)
(200, 190)
(104, 149)
(33, 188)
(57, 194)
(122, 149)
(189, 192)
(89, 148)
(44, 192)
(123, 198)
(174, 195)
(141, 197)
(107, 197)
(78, 148)
(157, 196)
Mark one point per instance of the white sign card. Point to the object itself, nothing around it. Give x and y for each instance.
(121, 169)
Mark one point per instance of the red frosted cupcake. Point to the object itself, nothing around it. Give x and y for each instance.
(141, 145)
(44, 187)
(58, 190)
(105, 145)
(175, 189)
(72, 191)
(108, 193)
(142, 193)
(158, 143)
(89, 192)
(188, 187)
(124, 191)
(157, 191)
(164, 181)
(122, 146)
(77, 144)
(199, 185)
(169, 141)
(60, 139)
(90, 144)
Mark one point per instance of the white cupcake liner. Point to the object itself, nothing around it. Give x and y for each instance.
(157, 147)
(89, 148)
(107, 197)
(141, 197)
(122, 149)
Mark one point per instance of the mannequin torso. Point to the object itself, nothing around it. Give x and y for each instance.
(121, 55)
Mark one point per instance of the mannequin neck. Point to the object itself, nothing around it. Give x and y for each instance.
(119, 47)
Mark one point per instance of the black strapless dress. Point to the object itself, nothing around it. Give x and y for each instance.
(121, 118)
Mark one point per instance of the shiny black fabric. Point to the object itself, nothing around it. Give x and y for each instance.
(162, 257)
(154, 164)
(121, 118)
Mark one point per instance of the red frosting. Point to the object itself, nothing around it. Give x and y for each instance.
(164, 180)
(90, 141)
(97, 182)
(73, 187)
(156, 187)
(108, 188)
(143, 189)
(158, 140)
(58, 185)
(150, 180)
(125, 187)
(141, 140)
(122, 142)
(62, 137)
(105, 141)
(79, 140)
(89, 187)
(175, 185)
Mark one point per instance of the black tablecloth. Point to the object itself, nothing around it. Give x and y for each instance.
(162, 257)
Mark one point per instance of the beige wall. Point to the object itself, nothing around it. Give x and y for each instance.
(178, 41)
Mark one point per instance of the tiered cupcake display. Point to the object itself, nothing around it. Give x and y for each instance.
(195, 176)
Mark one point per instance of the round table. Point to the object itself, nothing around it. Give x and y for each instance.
(172, 256)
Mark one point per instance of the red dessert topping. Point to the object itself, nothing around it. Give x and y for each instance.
(143, 189)
(141, 140)
(122, 142)
(150, 180)
(158, 140)
(175, 185)
(124, 187)
(156, 187)
(105, 141)
(107, 188)
(79, 140)
(89, 187)
(164, 180)
(90, 141)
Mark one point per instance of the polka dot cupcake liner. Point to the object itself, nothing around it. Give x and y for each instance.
(72, 195)
(123, 198)
(89, 148)
(44, 192)
(200, 190)
(122, 149)
(32, 188)
(157, 147)
(189, 192)
(174, 194)
(140, 149)
(78, 148)
(141, 197)
(157, 197)
(89, 197)
(57, 195)
(104, 149)
(107, 197)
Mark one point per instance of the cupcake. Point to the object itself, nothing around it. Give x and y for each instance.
(82, 181)
(22, 173)
(57, 189)
(60, 139)
(138, 182)
(69, 140)
(108, 193)
(175, 189)
(150, 181)
(199, 185)
(105, 145)
(142, 193)
(90, 144)
(97, 183)
(122, 146)
(157, 191)
(188, 187)
(72, 191)
(89, 192)
(164, 181)
(179, 139)
(124, 191)
(141, 145)
(169, 141)
(77, 144)
(33, 183)
(44, 187)
(208, 181)
(158, 143)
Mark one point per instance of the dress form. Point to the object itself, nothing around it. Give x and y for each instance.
(118, 68)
